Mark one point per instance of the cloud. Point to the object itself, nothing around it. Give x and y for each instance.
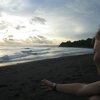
(38, 20)
(18, 27)
(12, 6)
(35, 30)
(38, 40)
(9, 40)
(3, 25)
(66, 18)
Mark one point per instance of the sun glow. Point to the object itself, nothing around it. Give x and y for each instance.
(20, 27)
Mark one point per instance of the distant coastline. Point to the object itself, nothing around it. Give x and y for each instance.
(88, 43)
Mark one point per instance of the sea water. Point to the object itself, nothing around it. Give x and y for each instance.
(19, 54)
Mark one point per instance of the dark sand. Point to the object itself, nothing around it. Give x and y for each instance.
(22, 81)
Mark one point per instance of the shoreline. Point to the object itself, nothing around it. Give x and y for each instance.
(13, 63)
(22, 81)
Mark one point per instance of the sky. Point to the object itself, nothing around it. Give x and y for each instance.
(48, 21)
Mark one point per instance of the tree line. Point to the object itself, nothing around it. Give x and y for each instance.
(88, 43)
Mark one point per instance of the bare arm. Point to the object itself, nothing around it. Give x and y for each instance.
(78, 89)
(73, 88)
(91, 89)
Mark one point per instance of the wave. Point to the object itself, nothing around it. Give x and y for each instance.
(38, 53)
(5, 58)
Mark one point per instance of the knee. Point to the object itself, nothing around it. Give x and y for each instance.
(94, 98)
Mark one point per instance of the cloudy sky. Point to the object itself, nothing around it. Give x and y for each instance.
(48, 21)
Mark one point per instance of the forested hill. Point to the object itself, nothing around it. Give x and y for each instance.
(80, 43)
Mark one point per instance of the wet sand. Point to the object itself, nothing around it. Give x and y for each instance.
(22, 81)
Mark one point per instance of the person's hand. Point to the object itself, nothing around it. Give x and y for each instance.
(47, 85)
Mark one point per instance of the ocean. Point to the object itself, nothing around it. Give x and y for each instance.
(21, 54)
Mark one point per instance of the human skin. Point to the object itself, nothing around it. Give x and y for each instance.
(97, 54)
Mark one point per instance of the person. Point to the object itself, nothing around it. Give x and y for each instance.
(92, 90)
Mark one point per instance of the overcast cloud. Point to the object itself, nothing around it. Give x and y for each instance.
(55, 19)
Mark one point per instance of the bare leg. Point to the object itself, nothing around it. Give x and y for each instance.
(94, 98)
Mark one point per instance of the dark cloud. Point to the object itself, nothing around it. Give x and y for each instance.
(18, 27)
(38, 20)
(41, 37)
(8, 39)
(34, 30)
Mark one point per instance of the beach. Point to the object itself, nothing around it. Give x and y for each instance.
(22, 81)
